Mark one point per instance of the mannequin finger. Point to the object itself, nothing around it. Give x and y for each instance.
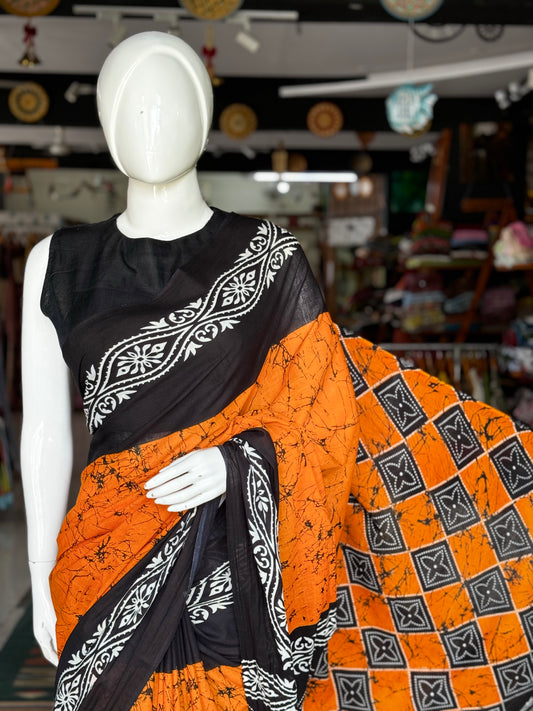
(196, 501)
(176, 484)
(174, 470)
(180, 497)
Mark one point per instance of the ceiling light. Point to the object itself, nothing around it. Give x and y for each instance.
(245, 37)
(283, 187)
(435, 73)
(75, 90)
(247, 41)
(118, 31)
(269, 176)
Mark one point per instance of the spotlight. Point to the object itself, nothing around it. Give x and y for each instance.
(247, 41)
(245, 37)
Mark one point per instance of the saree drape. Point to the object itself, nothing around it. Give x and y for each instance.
(373, 550)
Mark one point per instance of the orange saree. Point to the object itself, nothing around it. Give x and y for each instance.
(373, 550)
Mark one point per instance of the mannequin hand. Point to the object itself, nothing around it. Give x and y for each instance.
(189, 481)
(44, 616)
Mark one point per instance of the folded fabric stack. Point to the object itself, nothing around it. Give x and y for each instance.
(430, 244)
(469, 243)
(514, 246)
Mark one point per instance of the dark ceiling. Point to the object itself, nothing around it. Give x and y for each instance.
(508, 12)
(261, 91)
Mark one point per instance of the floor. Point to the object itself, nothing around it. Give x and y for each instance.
(14, 575)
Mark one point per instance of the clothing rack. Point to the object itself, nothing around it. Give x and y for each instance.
(471, 367)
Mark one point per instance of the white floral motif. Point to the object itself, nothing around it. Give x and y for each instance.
(138, 603)
(68, 696)
(239, 289)
(140, 358)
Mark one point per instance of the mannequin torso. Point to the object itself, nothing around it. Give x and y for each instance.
(155, 104)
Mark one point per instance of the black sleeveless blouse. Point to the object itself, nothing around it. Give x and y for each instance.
(160, 335)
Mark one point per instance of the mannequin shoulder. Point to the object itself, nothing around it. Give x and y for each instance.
(37, 261)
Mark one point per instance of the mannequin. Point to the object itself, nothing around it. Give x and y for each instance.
(163, 202)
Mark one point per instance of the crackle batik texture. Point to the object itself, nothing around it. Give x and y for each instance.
(435, 566)
(373, 550)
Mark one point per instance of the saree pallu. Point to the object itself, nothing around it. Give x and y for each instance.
(435, 565)
(132, 579)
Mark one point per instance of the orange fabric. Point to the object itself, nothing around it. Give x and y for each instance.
(194, 688)
(302, 398)
(433, 666)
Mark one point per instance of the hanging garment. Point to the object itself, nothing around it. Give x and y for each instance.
(373, 549)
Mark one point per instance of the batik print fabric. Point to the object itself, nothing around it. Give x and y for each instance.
(435, 566)
(229, 606)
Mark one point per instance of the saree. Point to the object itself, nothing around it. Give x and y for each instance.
(231, 605)
(373, 549)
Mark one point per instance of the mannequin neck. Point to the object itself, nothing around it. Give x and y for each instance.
(165, 211)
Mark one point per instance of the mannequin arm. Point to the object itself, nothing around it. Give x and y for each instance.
(189, 481)
(46, 443)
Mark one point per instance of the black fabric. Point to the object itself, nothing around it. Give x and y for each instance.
(97, 295)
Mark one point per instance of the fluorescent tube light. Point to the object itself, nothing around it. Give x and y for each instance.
(269, 176)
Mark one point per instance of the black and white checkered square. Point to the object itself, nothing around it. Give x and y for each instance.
(400, 473)
(383, 532)
(435, 566)
(358, 382)
(489, 593)
(362, 454)
(321, 670)
(432, 691)
(410, 614)
(360, 569)
(515, 678)
(458, 436)
(455, 507)
(352, 689)
(383, 649)
(464, 646)
(514, 467)
(508, 534)
(527, 623)
(400, 405)
(345, 609)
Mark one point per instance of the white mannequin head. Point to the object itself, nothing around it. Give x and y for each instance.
(155, 104)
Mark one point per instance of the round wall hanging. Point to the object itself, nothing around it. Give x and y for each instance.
(411, 9)
(325, 119)
(28, 102)
(238, 121)
(490, 33)
(211, 9)
(435, 32)
(29, 8)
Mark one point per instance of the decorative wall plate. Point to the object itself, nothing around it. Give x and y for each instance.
(238, 121)
(211, 9)
(29, 8)
(490, 33)
(435, 32)
(411, 9)
(28, 102)
(410, 109)
(325, 119)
